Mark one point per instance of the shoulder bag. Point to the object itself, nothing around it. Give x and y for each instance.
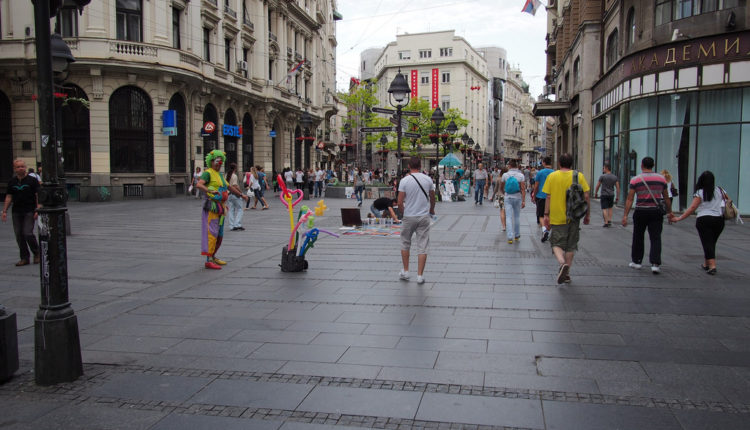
(730, 210)
(661, 205)
(420, 187)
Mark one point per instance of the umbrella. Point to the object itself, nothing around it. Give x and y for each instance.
(450, 160)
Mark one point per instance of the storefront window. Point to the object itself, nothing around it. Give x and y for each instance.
(720, 106)
(719, 151)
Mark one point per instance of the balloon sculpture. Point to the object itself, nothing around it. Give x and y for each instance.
(290, 261)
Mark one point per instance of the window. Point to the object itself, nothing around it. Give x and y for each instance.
(207, 44)
(612, 49)
(228, 53)
(425, 53)
(630, 28)
(176, 28)
(669, 10)
(404, 55)
(426, 98)
(663, 11)
(129, 20)
(445, 103)
(576, 70)
(446, 77)
(131, 131)
(67, 22)
(446, 52)
(425, 78)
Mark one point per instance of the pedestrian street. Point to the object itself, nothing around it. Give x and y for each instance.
(490, 340)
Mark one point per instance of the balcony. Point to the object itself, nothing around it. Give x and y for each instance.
(247, 23)
(213, 3)
(133, 48)
(230, 12)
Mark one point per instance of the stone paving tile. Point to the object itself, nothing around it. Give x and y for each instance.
(536, 382)
(481, 410)
(451, 321)
(406, 330)
(592, 369)
(568, 350)
(376, 318)
(166, 388)
(275, 336)
(661, 390)
(271, 395)
(319, 327)
(297, 315)
(281, 351)
(479, 362)
(214, 348)
(202, 422)
(356, 340)
(489, 334)
(581, 416)
(390, 357)
(306, 426)
(331, 369)
(577, 338)
(236, 364)
(81, 417)
(359, 401)
(454, 377)
(531, 324)
(153, 345)
(436, 344)
(708, 420)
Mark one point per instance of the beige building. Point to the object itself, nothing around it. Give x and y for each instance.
(521, 128)
(222, 66)
(441, 68)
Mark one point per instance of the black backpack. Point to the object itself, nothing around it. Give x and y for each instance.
(575, 202)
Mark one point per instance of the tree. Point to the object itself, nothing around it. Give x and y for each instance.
(359, 100)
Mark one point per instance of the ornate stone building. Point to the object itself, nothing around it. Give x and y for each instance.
(225, 67)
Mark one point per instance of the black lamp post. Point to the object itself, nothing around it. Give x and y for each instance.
(451, 129)
(306, 120)
(470, 148)
(399, 92)
(437, 119)
(477, 153)
(383, 153)
(57, 346)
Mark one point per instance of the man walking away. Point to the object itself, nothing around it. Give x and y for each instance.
(564, 231)
(416, 201)
(514, 185)
(480, 179)
(23, 190)
(608, 182)
(541, 197)
(319, 175)
(649, 190)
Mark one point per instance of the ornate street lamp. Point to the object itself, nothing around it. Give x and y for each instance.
(383, 141)
(399, 95)
(437, 118)
(451, 129)
(306, 120)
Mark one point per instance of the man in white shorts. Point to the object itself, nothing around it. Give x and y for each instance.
(416, 201)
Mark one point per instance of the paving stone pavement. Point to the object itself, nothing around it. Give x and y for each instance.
(490, 341)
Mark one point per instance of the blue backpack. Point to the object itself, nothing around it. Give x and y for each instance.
(512, 186)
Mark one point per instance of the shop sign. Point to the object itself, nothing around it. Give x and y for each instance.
(231, 130)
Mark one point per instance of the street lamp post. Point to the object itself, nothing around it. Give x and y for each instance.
(451, 129)
(437, 118)
(306, 120)
(470, 150)
(57, 346)
(383, 153)
(399, 92)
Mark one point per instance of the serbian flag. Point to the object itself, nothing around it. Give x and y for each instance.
(531, 6)
(295, 69)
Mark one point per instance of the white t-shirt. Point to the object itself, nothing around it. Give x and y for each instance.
(415, 202)
(712, 208)
(300, 176)
(319, 175)
(288, 176)
(519, 177)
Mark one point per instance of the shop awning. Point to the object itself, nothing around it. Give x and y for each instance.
(550, 108)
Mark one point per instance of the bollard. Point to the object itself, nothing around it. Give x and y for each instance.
(8, 345)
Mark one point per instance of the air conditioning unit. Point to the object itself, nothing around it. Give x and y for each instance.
(242, 65)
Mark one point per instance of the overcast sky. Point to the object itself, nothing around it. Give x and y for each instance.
(375, 23)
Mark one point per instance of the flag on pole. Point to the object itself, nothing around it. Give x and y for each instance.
(531, 6)
(293, 72)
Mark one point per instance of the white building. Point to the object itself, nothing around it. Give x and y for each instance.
(497, 65)
(443, 69)
(224, 64)
(520, 127)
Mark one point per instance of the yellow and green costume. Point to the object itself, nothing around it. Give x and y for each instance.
(214, 209)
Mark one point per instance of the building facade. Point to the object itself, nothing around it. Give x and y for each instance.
(521, 129)
(497, 66)
(237, 73)
(443, 69)
(667, 79)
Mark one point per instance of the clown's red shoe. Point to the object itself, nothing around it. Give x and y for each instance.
(212, 265)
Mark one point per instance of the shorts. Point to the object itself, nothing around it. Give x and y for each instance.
(565, 236)
(607, 201)
(540, 207)
(419, 225)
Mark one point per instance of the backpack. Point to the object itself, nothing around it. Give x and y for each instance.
(575, 202)
(512, 186)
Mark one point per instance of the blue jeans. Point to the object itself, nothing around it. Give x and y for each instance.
(358, 192)
(234, 206)
(318, 188)
(513, 217)
(479, 190)
(376, 212)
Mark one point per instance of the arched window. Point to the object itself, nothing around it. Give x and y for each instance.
(576, 71)
(129, 20)
(131, 131)
(230, 141)
(178, 143)
(6, 138)
(210, 139)
(76, 141)
(248, 157)
(630, 27)
(612, 49)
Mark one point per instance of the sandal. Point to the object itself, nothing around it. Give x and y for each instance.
(711, 271)
(705, 268)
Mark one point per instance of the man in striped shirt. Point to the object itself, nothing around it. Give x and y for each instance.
(648, 189)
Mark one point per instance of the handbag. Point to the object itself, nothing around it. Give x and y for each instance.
(661, 205)
(674, 191)
(730, 210)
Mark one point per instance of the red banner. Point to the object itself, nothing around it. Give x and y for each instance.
(435, 101)
(414, 84)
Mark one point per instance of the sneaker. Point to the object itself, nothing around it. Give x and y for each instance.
(567, 279)
(403, 275)
(545, 236)
(518, 238)
(635, 266)
(606, 224)
(510, 241)
(212, 265)
(655, 269)
(562, 273)
(219, 262)
(420, 279)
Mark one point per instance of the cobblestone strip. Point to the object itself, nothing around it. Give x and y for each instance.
(98, 374)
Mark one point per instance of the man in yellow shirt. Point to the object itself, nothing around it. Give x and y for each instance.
(564, 232)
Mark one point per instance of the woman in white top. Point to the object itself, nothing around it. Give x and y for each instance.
(708, 203)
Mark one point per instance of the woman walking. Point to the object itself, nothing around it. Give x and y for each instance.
(359, 185)
(708, 203)
(253, 187)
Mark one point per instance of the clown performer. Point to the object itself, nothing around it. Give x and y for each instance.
(215, 188)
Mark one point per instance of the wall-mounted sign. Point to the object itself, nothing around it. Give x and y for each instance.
(231, 130)
(209, 127)
(169, 122)
(272, 133)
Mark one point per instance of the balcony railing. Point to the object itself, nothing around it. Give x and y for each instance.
(229, 11)
(246, 21)
(133, 48)
(215, 3)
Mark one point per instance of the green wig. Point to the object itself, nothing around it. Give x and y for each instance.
(216, 153)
